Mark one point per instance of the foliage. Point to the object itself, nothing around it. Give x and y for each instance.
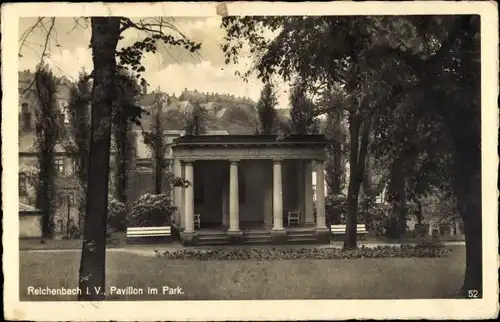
(263, 254)
(266, 110)
(78, 111)
(130, 57)
(376, 217)
(48, 134)
(127, 92)
(194, 119)
(155, 139)
(78, 133)
(302, 119)
(429, 242)
(151, 210)
(395, 58)
(106, 34)
(336, 209)
(336, 132)
(116, 215)
(325, 52)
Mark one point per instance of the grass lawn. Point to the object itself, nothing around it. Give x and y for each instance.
(35, 243)
(389, 278)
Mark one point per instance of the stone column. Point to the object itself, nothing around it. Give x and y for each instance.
(268, 194)
(182, 197)
(189, 199)
(277, 196)
(234, 234)
(322, 233)
(177, 193)
(278, 233)
(225, 203)
(320, 194)
(308, 207)
(188, 236)
(234, 203)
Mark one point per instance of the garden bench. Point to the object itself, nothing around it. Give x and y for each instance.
(293, 217)
(341, 229)
(134, 233)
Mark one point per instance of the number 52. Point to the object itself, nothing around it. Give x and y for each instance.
(473, 294)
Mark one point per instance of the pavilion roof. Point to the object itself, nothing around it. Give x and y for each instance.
(249, 140)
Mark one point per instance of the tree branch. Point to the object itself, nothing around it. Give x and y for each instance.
(47, 36)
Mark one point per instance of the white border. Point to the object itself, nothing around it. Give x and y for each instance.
(263, 309)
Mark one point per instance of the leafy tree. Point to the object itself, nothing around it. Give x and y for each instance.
(266, 110)
(124, 137)
(394, 59)
(302, 119)
(194, 119)
(106, 33)
(155, 140)
(78, 111)
(322, 52)
(336, 132)
(48, 134)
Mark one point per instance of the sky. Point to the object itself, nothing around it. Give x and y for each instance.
(171, 69)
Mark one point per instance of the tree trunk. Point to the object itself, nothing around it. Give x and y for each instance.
(334, 154)
(46, 194)
(158, 152)
(123, 156)
(337, 167)
(105, 34)
(397, 193)
(468, 189)
(158, 177)
(357, 166)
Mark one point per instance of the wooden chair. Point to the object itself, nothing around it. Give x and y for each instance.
(197, 221)
(294, 217)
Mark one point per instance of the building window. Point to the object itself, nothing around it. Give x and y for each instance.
(74, 165)
(23, 189)
(59, 164)
(59, 226)
(27, 121)
(70, 198)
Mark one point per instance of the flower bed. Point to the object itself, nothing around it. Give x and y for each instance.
(403, 251)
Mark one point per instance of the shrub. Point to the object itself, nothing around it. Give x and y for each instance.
(116, 214)
(151, 210)
(335, 209)
(377, 219)
(429, 242)
(112, 240)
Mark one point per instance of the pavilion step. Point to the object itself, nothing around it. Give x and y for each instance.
(212, 239)
(301, 234)
(212, 242)
(257, 234)
(257, 237)
(302, 240)
(263, 240)
(301, 237)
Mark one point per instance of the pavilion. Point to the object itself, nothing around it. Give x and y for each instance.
(248, 188)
